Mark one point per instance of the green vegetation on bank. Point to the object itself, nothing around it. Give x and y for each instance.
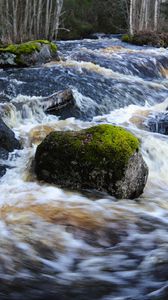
(155, 39)
(127, 38)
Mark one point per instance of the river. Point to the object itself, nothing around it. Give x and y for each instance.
(64, 245)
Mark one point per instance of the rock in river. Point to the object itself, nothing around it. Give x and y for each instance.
(58, 102)
(8, 143)
(103, 157)
(158, 123)
(28, 54)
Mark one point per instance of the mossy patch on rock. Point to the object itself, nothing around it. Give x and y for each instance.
(127, 38)
(95, 158)
(27, 48)
(98, 145)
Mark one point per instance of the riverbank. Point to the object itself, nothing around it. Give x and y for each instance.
(150, 38)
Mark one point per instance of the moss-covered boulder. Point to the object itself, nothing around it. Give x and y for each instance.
(103, 157)
(27, 54)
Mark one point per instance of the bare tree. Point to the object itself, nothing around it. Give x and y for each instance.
(156, 14)
(22, 20)
(131, 17)
(57, 12)
(144, 15)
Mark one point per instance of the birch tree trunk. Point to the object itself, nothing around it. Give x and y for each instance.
(58, 8)
(39, 10)
(25, 24)
(144, 15)
(156, 14)
(5, 20)
(14, 16)
(146, 21)
(47, 18)
(131, 18)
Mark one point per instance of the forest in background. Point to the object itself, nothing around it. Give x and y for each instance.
(23, 20)
(83, 17)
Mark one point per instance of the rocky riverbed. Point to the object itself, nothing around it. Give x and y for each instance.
(66, 244)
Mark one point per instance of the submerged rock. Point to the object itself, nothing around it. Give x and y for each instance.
(158, 123)
(7, 138)
(57, 102)
(8, 143)
(28, 54)
(62, 104)
(103, 157)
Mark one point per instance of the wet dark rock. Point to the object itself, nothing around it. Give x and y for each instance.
(2, 170)
(3, 153)
(104, 157)
(28, 54)
(57, 102)
(158, 123)
(7, 59)
(8, 143)
(4, 98)
(7, 138)
(63, 104)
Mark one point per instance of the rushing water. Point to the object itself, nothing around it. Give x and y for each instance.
(65, 245)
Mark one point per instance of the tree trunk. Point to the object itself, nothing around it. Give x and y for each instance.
(58, 8)
(131, 18)
(14, 15)
(156, 14)
(144, 15)
(47, 18)
(39, 18)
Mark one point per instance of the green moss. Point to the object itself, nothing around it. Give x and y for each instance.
(127, 38)
(52, 45)
(27, 48)
(43, 41)
(102, 146)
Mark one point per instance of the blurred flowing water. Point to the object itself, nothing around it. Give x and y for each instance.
(66, 245)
